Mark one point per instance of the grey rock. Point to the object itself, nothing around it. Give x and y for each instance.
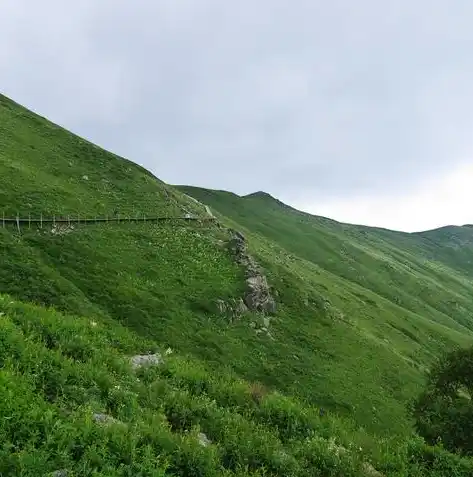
(234, 309)
(101, 418)
(62, 229)
(370, 471)
(60, 473)
(240, 307)
(258, 296)
(240, 236)
(203, 439)
(221, 306)
(141, 360)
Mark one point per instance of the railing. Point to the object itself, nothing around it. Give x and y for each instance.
(31, 221)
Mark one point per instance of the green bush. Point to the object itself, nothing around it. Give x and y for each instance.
(444, 411)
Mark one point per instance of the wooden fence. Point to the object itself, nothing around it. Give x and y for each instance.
(45, 221)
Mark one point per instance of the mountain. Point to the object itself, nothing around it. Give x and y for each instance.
(426, 274)
(286, 342)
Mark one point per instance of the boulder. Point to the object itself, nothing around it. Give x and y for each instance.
(105, 419)
(370, 471)
(203, 439)
(141, 360)
(60, 473)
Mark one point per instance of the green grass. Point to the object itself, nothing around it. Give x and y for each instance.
(361, 315)
(45, 169)
(58, 370)
(362, 308)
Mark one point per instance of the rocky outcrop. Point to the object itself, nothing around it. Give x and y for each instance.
(258, 295)
(233, 309)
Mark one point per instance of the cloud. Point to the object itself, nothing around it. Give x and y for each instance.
(309, 100)
(429, 207)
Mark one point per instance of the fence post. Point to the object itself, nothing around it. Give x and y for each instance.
(29, 220)
(54, 221)
(3, 219)
(41, 221)
(18, 222)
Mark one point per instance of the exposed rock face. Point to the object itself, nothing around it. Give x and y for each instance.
(237, 245)
(234, 309)
(258, 296)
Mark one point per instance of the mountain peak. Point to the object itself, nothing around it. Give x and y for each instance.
(259, 195)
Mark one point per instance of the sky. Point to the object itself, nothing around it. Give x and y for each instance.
(359, 111)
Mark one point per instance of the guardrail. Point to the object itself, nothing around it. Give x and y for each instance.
(41, 221)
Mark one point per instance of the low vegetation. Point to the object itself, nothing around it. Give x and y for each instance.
(59, 372)
(322, 386)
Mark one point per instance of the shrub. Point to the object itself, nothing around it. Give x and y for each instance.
(444, 410)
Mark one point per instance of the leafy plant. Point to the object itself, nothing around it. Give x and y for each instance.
(444, 410)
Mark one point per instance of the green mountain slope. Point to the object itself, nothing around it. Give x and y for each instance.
(45, 169)
(426, 273)
(73, 404)
(395, 307)
(360, 314)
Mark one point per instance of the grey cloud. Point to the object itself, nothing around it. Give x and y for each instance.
(300, 98)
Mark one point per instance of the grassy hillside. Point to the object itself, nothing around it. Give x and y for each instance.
(46, 169)
(72, 404)
(387, 302)
(419, 272)
(361, 313)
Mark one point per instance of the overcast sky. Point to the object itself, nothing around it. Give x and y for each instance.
(361, 111)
